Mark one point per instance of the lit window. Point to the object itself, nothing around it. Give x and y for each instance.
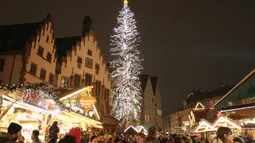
(64, 81)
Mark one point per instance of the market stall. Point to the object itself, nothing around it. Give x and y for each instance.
(27, 105)
(204, 126)
(78, 109)
(36, 107)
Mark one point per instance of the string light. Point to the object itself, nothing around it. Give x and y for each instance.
(127, 66)
(221, 121)
(31, 107)
(73, 93)
(137, 129)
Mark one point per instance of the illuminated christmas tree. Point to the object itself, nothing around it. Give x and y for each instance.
(127, 66)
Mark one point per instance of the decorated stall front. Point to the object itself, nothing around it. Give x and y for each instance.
(35, 106)
(78, 109)
(28, 105)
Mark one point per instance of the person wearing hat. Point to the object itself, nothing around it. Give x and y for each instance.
(15, 130)
(13, 134)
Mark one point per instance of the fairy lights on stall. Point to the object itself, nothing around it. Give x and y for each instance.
(40, 98)
(205, 126)
(75, 93)
(28, 106)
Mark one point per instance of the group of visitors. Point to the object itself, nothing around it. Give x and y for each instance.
(223, 135)
(13, 135)
(76, 135)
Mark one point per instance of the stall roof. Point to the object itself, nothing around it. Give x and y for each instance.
(136, 129)
(243, 90)
(63, 92)
(109, 120)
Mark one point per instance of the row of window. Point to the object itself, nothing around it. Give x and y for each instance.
(88, 63)
(40, 53)
(65, 81)
(33, 71)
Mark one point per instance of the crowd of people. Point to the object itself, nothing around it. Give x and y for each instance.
(75, 135)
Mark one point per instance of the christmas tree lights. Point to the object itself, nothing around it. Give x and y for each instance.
(127, 66)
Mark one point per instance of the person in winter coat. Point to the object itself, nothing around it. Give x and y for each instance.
(68, 139)
(34, 136)
(13, 134)
(76, 133)
(54, 130)
(5, 138)
(224, 135)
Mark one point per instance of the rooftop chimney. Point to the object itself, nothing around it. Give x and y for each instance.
(87, 21)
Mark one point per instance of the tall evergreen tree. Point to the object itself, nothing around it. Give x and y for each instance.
(127, 66)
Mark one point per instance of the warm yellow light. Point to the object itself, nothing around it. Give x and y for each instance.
(100, 127)
(125, 1)
(76, 92)
(82, 118)
(131, 127)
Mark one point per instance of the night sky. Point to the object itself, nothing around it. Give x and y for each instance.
(188, 44)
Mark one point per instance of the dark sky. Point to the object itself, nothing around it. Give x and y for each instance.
(188, 44)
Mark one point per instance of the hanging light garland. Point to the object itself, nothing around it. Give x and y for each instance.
(39, 95)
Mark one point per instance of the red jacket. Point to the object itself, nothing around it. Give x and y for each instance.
(76, 132)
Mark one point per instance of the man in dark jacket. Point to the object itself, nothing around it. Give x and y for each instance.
(14, 134)
(5, 138)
